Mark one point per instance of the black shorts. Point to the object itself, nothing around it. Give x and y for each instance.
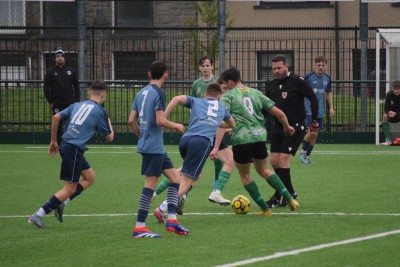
(245, 153)
(222, 146)
(282, 143)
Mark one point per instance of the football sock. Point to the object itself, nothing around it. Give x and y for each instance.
(222, 180)
(252, 188)
(277, 184)
(386, 129)
(217, 167)
(310, 149)
(305, 146)
(172, 199)
(162, 185)
(50, 205)
(164, 206)
(144, 205)
(277, 195)
(284, 174)
(79, 189)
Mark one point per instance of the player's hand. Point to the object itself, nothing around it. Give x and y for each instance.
(53, 149)
(213, 154)
(180, 128)
(290, 130)
(314, 126)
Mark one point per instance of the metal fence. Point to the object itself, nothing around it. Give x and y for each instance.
(23, 107)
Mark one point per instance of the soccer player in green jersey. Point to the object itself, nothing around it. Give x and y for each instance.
(249, 137)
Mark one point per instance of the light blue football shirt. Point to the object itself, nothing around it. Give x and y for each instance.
(147, 101)
(205, 117)
(84, 119)
(320, 86)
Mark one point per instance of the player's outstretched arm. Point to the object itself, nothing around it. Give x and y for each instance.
(177, 100)
(162, 121)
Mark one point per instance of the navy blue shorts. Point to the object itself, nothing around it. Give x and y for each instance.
(245, 153)
(320, 122)
(194, 151)
(73, 162)
(154, 164)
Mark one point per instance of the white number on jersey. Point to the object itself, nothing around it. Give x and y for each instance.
(248, 104)
(144, 100)
(82, 114)
(213, 106)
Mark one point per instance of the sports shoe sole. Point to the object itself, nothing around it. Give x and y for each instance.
(173, 230)
(221, 203)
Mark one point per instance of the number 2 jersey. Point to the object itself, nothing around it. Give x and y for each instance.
(84, 119)
(246, 105)
(205, 117)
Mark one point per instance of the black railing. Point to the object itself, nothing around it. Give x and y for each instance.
(23, 107)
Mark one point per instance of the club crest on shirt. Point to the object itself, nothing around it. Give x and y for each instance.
(325, 82)
(69, 72)
(284, 95)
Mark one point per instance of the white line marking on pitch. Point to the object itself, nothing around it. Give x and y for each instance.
(313, 248)
(220, 214)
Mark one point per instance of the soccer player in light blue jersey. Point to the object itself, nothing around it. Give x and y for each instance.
(320, 82)
(206, 116)
(147, 120)
(84, 119)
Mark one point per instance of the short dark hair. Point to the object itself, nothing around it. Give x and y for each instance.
(214, 89)
(280, 58)
(157, 69)
(321, 59)
(220, 80)
(98, 86)
(202, 59)
(396, 83)
(232, 74)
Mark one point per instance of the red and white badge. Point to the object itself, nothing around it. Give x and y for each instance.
(284, 95)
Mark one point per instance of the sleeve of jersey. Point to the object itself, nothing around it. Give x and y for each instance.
(267, 103)
(227, 115)
(309, 93)
(66, 113)
(328, 88)
(103, 127)
(160, 101)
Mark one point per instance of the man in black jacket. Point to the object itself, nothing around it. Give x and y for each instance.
(288, 91)
(61, 87)
(391, 110)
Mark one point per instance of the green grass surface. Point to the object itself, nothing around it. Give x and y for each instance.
(350, 192)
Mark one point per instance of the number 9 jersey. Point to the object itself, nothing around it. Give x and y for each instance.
(246, 105)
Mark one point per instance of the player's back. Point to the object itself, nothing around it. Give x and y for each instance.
(84, 119)
(147, 101)
(246, 105)
(205, 117)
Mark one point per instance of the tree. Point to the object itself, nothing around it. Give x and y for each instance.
(205, 39)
